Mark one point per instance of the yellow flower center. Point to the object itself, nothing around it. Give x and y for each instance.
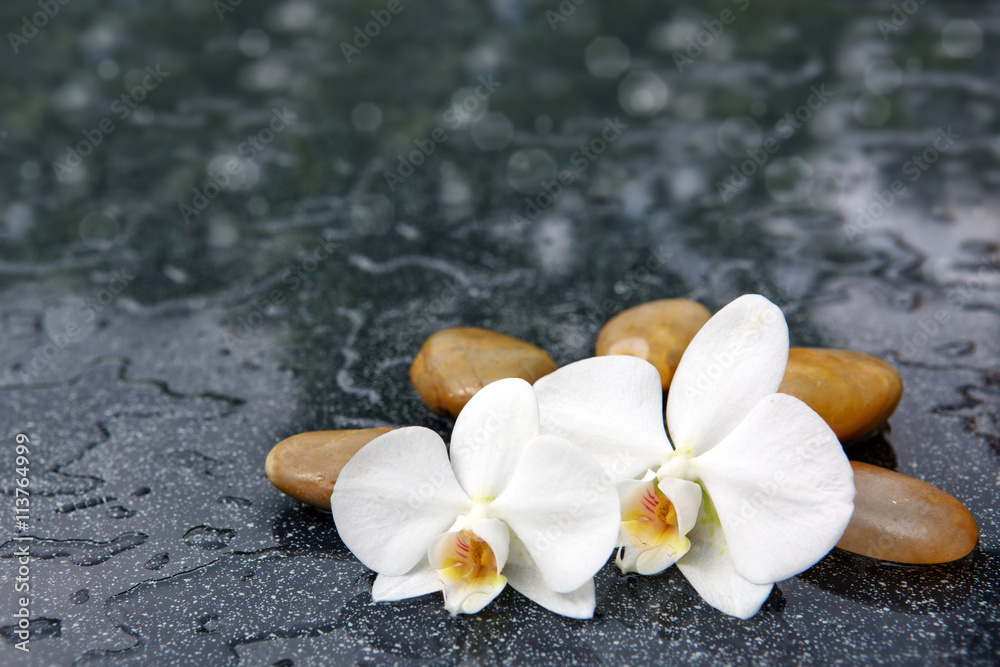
(468, 559)
(665, 511)
(649, 535)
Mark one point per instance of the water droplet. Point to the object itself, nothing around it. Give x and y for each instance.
(642, 94)
(258, 206)
(788, 179)
(737, 134)
(107, 69)
(543, 124)
(961, 38)
(254, 43)
(883, 76)
(30, 170)
(372, 214)
(366, 117)
(492, 132)
(119, 512)
(98, 228)
(157, 562)
(209, 538)
(872, 109)
(527, 168)
(606, 57)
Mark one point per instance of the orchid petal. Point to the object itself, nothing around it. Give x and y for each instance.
(524, 577)
(734, 361)
(564, 508)
(394, 497)
(421, 580)
(783, 488)
(654, 561)
(612, 408)
(489, 433)
(710, 571)
(631, 491)
(686, 498)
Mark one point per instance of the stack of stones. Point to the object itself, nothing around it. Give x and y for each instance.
(896, 518)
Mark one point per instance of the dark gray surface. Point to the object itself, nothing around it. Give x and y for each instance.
(156, 537)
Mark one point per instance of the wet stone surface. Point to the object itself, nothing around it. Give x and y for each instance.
(159, 332)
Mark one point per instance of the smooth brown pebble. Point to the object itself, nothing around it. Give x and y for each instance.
(306, 466)
(855, 393)
(454, 364)
(658, 331)
(902, 519)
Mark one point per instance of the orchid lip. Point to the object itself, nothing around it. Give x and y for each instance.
(650, 538)
(468, 570)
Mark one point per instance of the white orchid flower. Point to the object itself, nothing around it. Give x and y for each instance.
(511, 507)
(755, 486)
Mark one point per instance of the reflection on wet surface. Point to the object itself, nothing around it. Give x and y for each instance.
(914, 589)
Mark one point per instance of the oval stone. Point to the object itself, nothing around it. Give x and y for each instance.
(306, 466)
(902, 519)
(855, 393)
(455, 363)
(658, 331)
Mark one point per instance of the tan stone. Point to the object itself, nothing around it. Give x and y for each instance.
(658, 331)
(902, 519)
(454, 364)
(855, 393)
(306, 466)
